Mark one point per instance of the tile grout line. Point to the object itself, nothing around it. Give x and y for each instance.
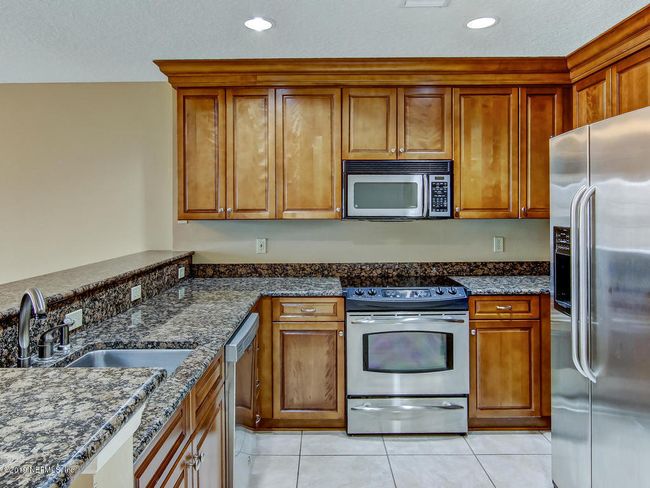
(302, 432)
(478, 460)
(390, 466)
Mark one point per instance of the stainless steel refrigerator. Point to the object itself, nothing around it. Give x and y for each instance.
(600, 291)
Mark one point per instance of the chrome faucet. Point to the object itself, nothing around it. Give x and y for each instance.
(32, 305)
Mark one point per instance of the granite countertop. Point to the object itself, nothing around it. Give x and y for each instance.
(199, 314)
(54, 421)
(505, 285)
(64, 284)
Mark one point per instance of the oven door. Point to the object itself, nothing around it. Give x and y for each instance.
(389, 196)
(408, 354)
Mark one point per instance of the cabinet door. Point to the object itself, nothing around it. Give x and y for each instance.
(486, 152)
(201, 154)
(631, 83)
(424, 123)
(369, 123)
(251, 153)
(591, 99)
(541, 116)
(505, 368)
(308, 370)
(308, 148)
(209, 443)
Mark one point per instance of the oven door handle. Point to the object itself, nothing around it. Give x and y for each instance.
(408, 408)
(409, 320)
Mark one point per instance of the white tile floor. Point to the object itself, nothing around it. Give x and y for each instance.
(334, 460)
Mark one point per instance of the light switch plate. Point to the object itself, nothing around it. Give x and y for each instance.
(260, 246)
(181, 272)
(136, 293)
(77, 317)
(498, 244)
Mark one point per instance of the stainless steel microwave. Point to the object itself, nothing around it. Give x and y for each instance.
(397, 190)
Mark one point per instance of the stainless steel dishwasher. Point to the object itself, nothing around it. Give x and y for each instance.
(240, 440)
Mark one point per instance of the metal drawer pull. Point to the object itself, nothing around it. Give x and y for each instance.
(258, 419)
(504, 307)
(408, 408)
(307, 310)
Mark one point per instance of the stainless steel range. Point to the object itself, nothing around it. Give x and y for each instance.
(407, 358)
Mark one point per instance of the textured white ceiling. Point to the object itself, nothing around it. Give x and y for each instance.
(116, 40)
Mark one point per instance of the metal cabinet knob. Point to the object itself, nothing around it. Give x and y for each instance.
(473, 332)
(401, 149)
(338, 209)
(392, 150)
(340, 333)
(457, 211)
(524, 211)
(229, 210)
(221, 210)
(258, 418)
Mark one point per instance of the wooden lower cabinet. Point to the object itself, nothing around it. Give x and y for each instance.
(509, 356)
(308, 370)
(189, 451)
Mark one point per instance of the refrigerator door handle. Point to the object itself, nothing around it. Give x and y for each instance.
(585, 264)
(575, 266)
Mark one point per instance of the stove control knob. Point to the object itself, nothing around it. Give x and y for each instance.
(358, 292)
(372, 292)
(439, 291)
(452, 291)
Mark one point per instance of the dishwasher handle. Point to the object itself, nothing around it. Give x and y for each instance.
(242, 339)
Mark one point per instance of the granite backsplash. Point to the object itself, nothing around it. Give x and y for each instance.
(99, 304)
(356, 271)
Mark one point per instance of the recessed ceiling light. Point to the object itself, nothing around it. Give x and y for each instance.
(482, 23)
(258, 24)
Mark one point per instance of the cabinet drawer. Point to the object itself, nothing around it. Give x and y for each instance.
(308, 309)
(502, 307)
(209, 383)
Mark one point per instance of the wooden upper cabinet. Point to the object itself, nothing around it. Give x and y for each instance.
(631, 83)
(308, 370)
(424, 124)
(369, 123)
(541, 117)
(505, 380)
(308, 153)
(250, 153)
(486, 152)
(201, 154)
(591, 99)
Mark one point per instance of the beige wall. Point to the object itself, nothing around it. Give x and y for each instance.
(85, 174)
(321, 241)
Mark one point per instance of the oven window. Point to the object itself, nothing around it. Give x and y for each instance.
(408, 352)
(398, 195)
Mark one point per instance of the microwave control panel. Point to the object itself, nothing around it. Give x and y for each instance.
(439, 196)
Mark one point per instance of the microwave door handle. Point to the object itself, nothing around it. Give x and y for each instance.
(575, 277)
(425, 196)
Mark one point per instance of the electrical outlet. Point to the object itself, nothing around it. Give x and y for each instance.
(181, 272)
(498, 244)
(77, 317)
(136, 293)
(260, 246)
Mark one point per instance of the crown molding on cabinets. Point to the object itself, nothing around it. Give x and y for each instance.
(625, 38)
(365, 71)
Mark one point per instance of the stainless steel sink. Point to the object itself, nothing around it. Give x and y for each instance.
(169, 359)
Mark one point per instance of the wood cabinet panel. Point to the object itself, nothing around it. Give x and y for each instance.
(504, 369)
(541, 117)
(308, 153)
(208, 461)
(631, 83)
(424, 123)
(308, 309)
(251, 153)
(591, 99)
(545, 360)
(486, 152)
(308, 370)
(369, 123)
(504, 307)
(201, 158)
(265, 358)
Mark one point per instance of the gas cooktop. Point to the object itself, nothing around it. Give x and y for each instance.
(406, 294)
